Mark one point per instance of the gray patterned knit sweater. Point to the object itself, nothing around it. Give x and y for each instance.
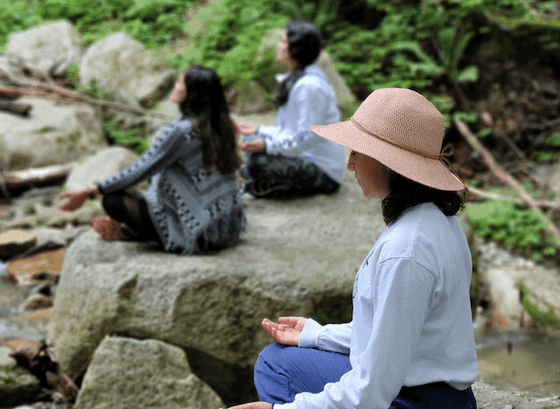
(192, 211)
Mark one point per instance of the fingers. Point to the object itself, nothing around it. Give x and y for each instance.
(270, 328)
(291, 321)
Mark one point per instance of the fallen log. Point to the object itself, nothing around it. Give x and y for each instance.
(35, 176)
(505, 177)
(15, 108)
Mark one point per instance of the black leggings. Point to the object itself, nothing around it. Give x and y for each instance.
(131, 209)
(295, 174)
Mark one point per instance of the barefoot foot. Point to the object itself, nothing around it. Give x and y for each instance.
(109, 229)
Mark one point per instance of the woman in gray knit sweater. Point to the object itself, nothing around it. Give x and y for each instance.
(193, 203)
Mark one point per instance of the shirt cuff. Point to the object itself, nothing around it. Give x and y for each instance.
(310, 334)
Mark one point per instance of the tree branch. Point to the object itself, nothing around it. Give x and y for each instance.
(479, 194)
(505, 177)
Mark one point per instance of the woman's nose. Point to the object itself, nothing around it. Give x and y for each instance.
(350, 164)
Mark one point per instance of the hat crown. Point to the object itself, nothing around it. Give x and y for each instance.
(403, 118)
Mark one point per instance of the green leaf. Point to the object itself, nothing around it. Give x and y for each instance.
(469, 74)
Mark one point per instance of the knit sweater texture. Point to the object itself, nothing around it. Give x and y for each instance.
(193, 211)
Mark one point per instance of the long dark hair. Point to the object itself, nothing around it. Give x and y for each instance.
(206, 106)
(304, 46)
(405, 193)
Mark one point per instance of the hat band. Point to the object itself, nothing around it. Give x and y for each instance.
(406, 148)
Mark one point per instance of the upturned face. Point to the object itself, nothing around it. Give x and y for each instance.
(179, 90)
(282, 52)
(370, 175)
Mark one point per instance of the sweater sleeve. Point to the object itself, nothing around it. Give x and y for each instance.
(331, 337)
(308, 105)
(168, 145)
(400, 298)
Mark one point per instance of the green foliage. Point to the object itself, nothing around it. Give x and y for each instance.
(515, 228)
(131, 138)
(546, 318)
(152, 22)
(230, 44)
(468, 117)
(73, 75)
(545, 156)
(550, 146)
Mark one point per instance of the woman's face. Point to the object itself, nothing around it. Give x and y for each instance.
(179, 91)
(282, 53)
(370, 175)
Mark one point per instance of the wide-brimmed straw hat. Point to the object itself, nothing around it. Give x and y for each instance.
(401, 129)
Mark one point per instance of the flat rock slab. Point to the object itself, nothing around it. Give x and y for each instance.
(14, 242)
(28, 270)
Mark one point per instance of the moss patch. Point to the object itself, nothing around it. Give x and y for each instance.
(550, 317)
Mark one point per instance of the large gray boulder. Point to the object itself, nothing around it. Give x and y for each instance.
(344, 95)
(93, 169)
(50, 47)
(297, 257)
(125, 69)
(127, 373)
(53, 133)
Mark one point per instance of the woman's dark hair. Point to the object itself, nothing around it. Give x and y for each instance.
(206, 106)
(405, 193)
(304, 46)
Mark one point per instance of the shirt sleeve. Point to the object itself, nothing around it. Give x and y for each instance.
(331, 337)
(308, 103)
(167, 147)
(400, 299)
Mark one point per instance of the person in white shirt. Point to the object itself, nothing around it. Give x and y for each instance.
(289, 157)
(410, 343)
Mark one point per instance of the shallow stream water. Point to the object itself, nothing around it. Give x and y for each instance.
(525, 360)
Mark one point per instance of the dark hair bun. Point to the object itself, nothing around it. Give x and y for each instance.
(304, 41)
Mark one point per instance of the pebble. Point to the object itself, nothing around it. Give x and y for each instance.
(6, 361)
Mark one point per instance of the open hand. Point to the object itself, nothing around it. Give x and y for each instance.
(246, 129)
(75, 199)
(253, 405)
(287, 331)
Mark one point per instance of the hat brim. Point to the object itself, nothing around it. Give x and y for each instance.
(427, 171)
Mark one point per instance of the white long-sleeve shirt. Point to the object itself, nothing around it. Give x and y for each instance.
(411, 321)
(312, 101)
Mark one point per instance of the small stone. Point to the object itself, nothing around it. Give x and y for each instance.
(37, 301)
(15, 242)
(6, 361)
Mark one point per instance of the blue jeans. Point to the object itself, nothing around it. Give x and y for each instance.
(281, 372)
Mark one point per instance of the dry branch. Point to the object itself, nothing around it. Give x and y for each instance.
(42, 84)
(60, 93)
(505, 177)
(479, 194)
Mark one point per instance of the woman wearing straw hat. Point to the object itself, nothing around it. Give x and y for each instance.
(289, 157)
(410, 343)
